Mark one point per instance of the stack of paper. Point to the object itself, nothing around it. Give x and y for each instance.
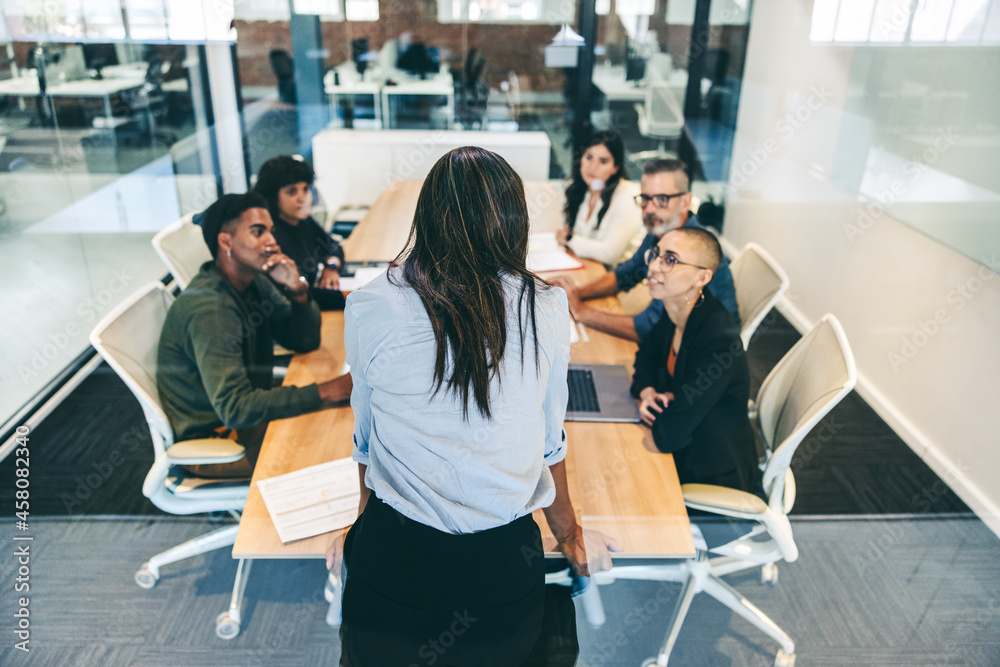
(361, 277)
(545, 254)
(314, 500)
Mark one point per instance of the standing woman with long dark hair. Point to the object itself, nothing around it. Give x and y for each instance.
(602, 220)
(459, 358)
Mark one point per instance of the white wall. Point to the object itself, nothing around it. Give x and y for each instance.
(928, 353)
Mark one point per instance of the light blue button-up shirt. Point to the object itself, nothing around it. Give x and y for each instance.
(424, 459)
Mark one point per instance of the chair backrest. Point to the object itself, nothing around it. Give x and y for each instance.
(182, 248)
(664, 116)
(759, 283)
(801, 389)
(128, 338)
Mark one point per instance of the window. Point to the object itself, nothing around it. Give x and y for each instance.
(926, 22)
(106, 20)
(507, 11)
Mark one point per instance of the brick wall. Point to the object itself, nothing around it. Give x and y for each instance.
(517, 48)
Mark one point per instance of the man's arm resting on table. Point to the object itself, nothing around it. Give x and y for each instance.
(606, 285)
(622, 326)
(337, 390)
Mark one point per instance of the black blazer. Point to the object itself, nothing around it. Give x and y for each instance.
(706, 426)
(307, 244)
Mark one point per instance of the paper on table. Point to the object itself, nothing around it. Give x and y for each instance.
(558, 260)
(314, 500)
(543, 242)
(361, 277)
(545, 254)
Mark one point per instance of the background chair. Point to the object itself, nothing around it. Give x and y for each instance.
(660, 117)
(182, 248)
(801, 389)
(128, 338)
(760, 282)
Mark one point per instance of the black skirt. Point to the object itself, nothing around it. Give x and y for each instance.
(417, 596)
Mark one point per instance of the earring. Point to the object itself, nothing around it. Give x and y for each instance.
(229, 254)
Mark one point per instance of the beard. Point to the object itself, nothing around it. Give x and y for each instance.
(656, 227)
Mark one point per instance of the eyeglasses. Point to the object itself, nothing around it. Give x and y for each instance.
(669, 259)
(661, 201)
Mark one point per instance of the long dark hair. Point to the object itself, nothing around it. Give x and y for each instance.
(277, 173)
(577, 189)
(469, 234)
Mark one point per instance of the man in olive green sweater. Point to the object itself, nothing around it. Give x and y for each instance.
(215, 359)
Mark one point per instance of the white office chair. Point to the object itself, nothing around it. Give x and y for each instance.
(759, 283)
(182, 248)
(128, 338)
(804, 386)
(661, 117)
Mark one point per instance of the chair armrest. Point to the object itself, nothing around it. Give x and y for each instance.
(723, 500)
(204, 451)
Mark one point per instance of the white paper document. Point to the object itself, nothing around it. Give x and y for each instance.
(545, 254)
(361, 277)
(314, 500)
(560, 260)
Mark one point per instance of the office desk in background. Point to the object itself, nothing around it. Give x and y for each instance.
(27, 86)
(610, 80)
(620, 484)
(348, 83)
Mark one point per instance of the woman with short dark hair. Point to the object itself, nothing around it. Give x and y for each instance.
(286, 183)
(459, 357)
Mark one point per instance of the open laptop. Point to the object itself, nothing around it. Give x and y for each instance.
(600, 393)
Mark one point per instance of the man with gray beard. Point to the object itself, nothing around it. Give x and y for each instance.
(665, 202)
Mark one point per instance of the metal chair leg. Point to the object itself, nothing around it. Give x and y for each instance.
(227, 624)
(732, 598)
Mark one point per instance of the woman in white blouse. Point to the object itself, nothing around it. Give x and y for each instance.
(459, 356)
(602, 221)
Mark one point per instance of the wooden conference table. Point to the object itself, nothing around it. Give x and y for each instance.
(620, 484)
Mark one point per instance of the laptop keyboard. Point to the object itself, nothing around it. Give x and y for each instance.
(582, 393)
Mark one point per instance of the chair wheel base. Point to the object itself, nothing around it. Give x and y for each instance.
(769, 574)
(783, 659)
(145, 577)
(226, 627)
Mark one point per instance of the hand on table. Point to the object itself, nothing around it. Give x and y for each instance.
(588, 551)
(337, 390)
(329, 279)
(652, 403)
(572, 293)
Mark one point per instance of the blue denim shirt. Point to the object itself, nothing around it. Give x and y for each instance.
(424, 460)
(632, 271)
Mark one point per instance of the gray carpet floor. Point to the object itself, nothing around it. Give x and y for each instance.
(863, 592)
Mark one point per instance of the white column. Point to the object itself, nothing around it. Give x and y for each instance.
(228, 128)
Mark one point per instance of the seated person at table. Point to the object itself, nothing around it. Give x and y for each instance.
(602, 221)
(286, 183)
(691, 374)
(214, 362)
(665, 203)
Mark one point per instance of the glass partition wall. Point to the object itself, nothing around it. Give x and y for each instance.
(103, 142)
(117, 118)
